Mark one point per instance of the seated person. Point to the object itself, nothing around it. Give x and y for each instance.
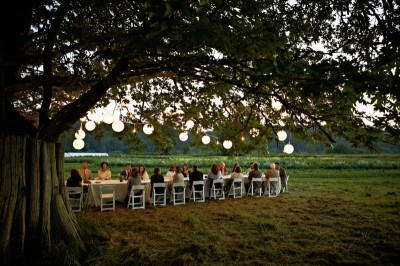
(133, 180)
(214, 174)
(157, 178)
(75, 180)
(168, 176)
(143, 173)
(177, 178)
(85, 173)
(271, 173)
(255, 173)
(126, 172)
(104, 173)
(195, 176)
(237, 173)
(223, 169)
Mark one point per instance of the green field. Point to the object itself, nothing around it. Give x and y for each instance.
(339, 210)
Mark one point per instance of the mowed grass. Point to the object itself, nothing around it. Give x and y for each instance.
(328, 217)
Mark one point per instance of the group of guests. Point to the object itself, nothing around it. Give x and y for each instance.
(176, 174)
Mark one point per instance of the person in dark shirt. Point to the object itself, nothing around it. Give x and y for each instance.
(195, 175)
(75, 180)
(156, 178)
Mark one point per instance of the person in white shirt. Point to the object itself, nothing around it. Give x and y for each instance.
(168, 176)
(104, 173)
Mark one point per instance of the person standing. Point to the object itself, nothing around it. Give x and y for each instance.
(85, 173)
(126, 172)
(104, 173)
(282, 175)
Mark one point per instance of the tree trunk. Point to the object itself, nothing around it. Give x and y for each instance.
(35, 213)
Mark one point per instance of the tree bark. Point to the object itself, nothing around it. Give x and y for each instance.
(35, 213)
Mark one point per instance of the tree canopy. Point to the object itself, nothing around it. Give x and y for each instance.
(220, 63)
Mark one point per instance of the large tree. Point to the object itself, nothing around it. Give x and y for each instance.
(220, 63)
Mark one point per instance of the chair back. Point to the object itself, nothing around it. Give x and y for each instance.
(198, 191)
(159, 198)
(178, 194)
(137, 197)
(75, 196)
(107, 197)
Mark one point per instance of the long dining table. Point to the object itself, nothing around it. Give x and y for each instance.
(121, 190)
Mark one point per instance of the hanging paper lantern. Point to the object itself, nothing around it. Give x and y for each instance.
(276, 105)
(78, 144)
(90, 125)
(189, 124)
(282, 135)
(148, 129)
(289, 149)
(108, 118)
(227, 144)
(80, 134)
(205, 139)
(183, 136)
(118, 125)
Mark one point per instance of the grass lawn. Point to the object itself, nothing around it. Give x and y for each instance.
(329, 216)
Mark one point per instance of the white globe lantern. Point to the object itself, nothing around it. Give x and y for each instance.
(289, 149)
(108, 118)
(205, 139)
(78, 144)
(282, 135)
(281, 123)
(227, 144)
(148, 129)
(80, 134)
(118, 126)
(183, 136)
(90, 125)
(189, 124)
(276, 105)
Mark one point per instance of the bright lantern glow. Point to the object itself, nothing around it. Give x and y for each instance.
(289, 149)
(78, 144)
(189, 124)
(205, 139)
(282, 135)
(183, 136)
(276, 105)
(82, 119)
(254, 132)
(118, 126)
(108, 118)
(90, 125)
(80, 134)
(148, 129)
(227, 144)
(281, 123)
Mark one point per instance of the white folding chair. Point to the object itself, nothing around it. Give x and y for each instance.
(198, 191)
(137, 197)
(107, 198)
(236, 189)
(255, 189)
(268, 190)
(217, 189)
(75, 196)
(159, 198)
(178, 194)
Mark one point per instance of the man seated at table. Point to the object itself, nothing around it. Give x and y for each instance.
(126, 172)
(195, 175)
(255, 173)
(271, 173)
(157, 178)
(75, 180)
(85, 173)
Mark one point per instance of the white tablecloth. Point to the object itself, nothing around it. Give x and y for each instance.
(121, 189)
